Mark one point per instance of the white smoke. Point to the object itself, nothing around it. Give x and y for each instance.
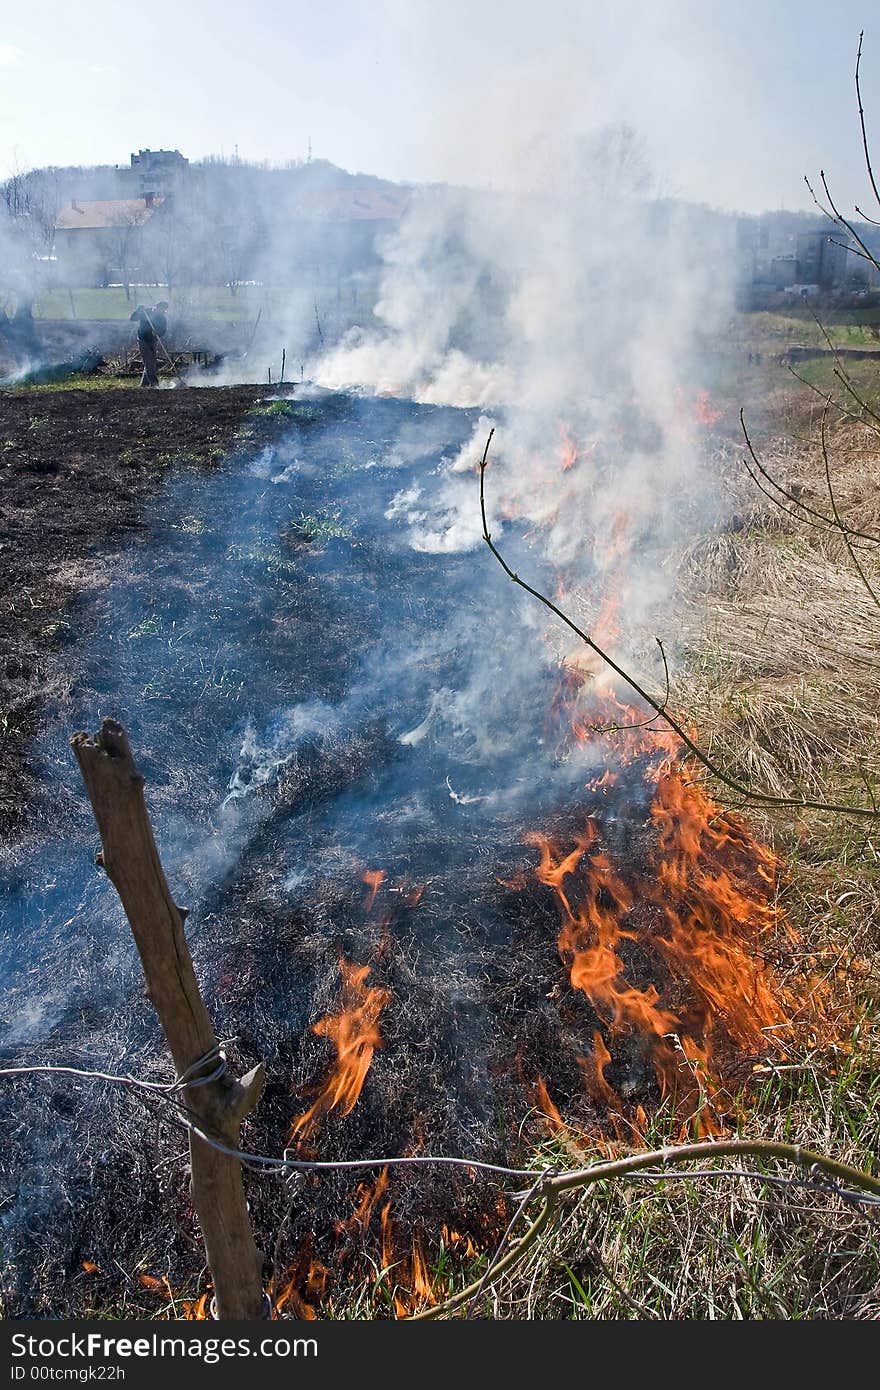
(577, 314)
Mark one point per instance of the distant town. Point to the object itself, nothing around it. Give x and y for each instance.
(160, 219)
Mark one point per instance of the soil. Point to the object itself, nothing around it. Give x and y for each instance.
(77, 467)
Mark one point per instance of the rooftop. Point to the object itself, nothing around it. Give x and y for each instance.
(109, 212)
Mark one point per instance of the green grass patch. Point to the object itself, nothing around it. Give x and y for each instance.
(80, 381)
(316, 528)
(272, 408)
(780, 329)
(296, 306)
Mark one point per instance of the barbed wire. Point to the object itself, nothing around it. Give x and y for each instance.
(826, 1176)
(186, 1080)
(816, 1181)
(267, 1164)
(824, 1173)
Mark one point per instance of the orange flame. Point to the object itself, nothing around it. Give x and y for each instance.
(162, 1286)
(695, 409)
(710, 887)
(591, 933)
(704, 411)
(412, 1283)
(192, 1310)
(354, 1032)
(373, 878)
(630, 734)
(454, 1240)
(545, 1104)
(366, 1196)
(593, 1068)
(715, 918)
(196, 1310)
(568, 452)
(305, 1286)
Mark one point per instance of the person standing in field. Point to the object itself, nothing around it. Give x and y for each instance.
(152, 327)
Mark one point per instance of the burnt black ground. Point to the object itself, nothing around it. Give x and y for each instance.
(270, 640)
(77, 468)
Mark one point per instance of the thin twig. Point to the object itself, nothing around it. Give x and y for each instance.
(844, 380)
(852, 555)
(850, 414)
(716, 1148)
(832, 523)
(841, 373)
(748, 793)
(514, 1255)
(862, 123)
(493, 1263)
(836, 216)
(643, 723)
(634, 1165)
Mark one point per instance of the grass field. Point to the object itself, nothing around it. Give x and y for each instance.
(748, 365)
(848, 327)
(112, 306)
(82, 381)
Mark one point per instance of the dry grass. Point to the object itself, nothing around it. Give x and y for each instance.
(783, 634)
(725, 1247)
(782, 660)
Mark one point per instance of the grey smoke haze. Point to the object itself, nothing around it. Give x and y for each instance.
(577, 309)
(574, 317)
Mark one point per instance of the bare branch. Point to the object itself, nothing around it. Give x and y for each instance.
(850, 414)
(748, 794)
(844, 222)
(841, 373)
(831, 523)
(845, 383)
(873, 220)
(839, 220)
(862, 123)
(826, 1175)
(843, 529)
(643, 723)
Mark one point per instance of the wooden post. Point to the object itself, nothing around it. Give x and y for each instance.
(132, 863)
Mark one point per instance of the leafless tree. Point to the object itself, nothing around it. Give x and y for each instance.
(617, 161)
(29, 210)
(125, 243)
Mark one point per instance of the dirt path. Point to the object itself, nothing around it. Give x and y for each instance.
(77, 467)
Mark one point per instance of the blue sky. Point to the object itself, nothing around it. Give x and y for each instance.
(735, 101)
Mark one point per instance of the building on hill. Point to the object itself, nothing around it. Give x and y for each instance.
(158, 171)
(106, 241)
(822, 259)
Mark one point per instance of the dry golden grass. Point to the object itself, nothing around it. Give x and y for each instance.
(782, 632)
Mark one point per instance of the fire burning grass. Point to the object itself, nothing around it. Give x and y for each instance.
(354, 1032)
(685, 1009)
(612, 963)
(699, 919)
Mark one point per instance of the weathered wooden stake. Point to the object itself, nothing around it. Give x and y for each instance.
(132, 863)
